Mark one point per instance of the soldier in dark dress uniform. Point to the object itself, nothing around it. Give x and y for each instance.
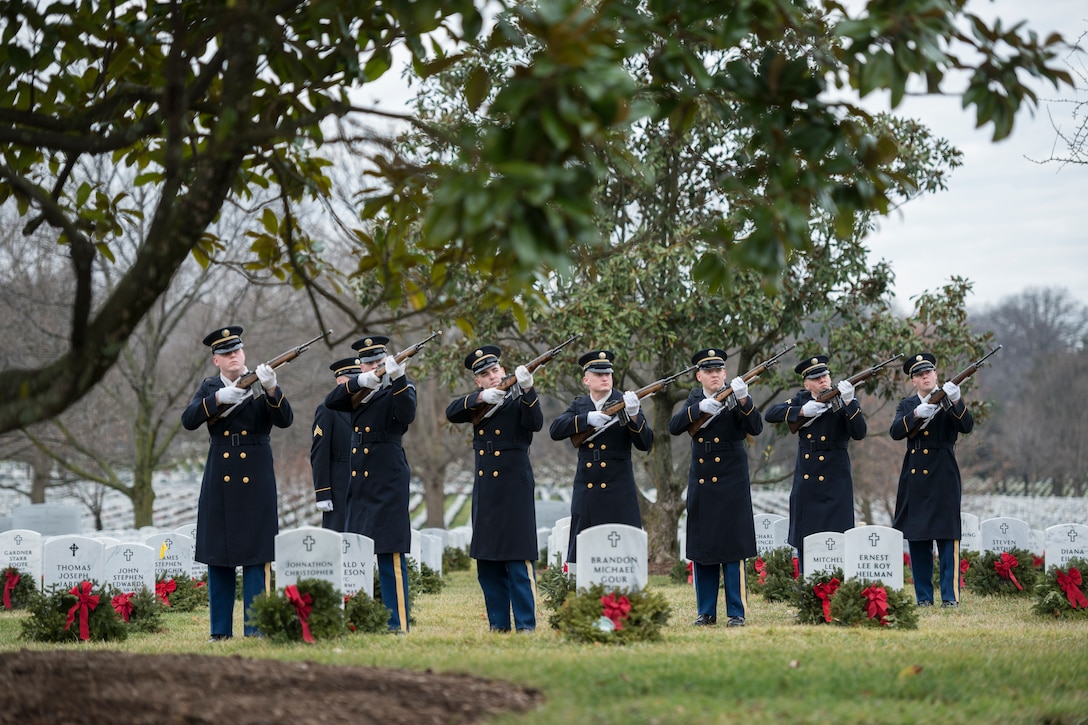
(237, 515)
(927, 505)
(604, 484)
(504, 490)
(822, 498)
(721, 528)
(377, 501)
(330, 453)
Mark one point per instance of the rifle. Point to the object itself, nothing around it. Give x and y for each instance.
(484, 409)
(725, 395)
(358, 398)
(249, 379)
(938, 396)
(831, 395)
(614, 408)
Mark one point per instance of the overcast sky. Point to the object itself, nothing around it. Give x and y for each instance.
(1007, 222)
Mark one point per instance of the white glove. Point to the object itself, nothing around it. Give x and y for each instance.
(846, 389)
(230, 395)
(393, 368)
(524, 377)
(814, 409)
(492, 396)
(597, 419)
(740, 388)
(926, 410)
(369, 379)
(324, 505)
(952, 391)
(710, 406)
(631, 404)
(266, 375)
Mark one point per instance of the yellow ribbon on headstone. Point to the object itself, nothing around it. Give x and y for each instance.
(162, 550)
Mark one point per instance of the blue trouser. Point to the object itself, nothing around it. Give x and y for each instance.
(393, 580)
(921, 568)
(705, 578)
(508, 585)
(222, 588)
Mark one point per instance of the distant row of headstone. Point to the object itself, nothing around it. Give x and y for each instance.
(344, 559)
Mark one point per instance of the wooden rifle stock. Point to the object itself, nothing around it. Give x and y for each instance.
(614, 408)
(722, 395)
(481, 411)
(400, 357)
(939, 397)
(829, 395)
(249, 379)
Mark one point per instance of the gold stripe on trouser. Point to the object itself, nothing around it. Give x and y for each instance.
(532, 579)
(956, 568)
(268, 578)
(398, 577)
(743, 587)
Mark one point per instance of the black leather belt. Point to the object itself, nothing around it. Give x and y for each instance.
(237, 439)
(824, 445)
(492, 446)
(359, 438)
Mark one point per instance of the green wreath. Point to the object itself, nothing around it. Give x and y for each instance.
(780, 584)
(363, 613)
(612, 616)
(280, 619)
(859, 602)
(1011, 573)
(183, 593)
(61, 616)
(755, 574)
(808, 599)
(19, 588)
(142, 609)
(1061, 592)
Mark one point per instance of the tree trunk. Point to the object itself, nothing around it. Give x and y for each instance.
(660, 519)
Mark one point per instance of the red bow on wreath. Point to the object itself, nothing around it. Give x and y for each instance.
(761, 569)
(85, 604)
(164, 589)
(9, 586)
(122, 604)
(824, 592)
(796, 570)
(1070, 583)
(303, 605)
(616, 609)
(691, 571)
(964, 566)
(876, 604)
(1005, 566)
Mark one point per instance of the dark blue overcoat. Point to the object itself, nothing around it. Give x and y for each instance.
(330, 463)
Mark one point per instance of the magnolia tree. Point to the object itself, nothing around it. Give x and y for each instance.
(243, 103)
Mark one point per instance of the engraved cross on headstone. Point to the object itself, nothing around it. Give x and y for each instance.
(1004, 528)
(874, 538)
(830, 543)
(1072, 534)
(74, 548)
(345, 545)
(614, 538)
(766, 523)
(309, 542)
(129, 554)
(19, 539)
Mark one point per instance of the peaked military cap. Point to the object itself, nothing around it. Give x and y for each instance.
(224, 340)
(597, 361)
(813, 367)
(347, 366)
(923, 362)
(482, 358)
(710, 359)
(371, 348)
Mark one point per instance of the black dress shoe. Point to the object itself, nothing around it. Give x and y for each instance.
(925, 604)
(219, 637)
(705, 620)
(735, 622)
(950, 603)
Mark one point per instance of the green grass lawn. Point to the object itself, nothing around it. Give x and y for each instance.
(990, 661)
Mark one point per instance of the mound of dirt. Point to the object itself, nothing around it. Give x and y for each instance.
(102, 687)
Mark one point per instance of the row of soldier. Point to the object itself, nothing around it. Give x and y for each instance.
(361, 473)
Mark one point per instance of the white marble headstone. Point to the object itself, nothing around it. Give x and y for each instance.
(765, 540)
(173, 554)
(780, 533)
(824, 552)
(562, 541)
(969, 534)
(69, 560)
(309, 552)
(129, 567)
(359, 563)
(431, 550)
(614, 555)
(875, 553)
(1065, 542)
(199, 569)
(22, 549)
(442, 534)
(1004, 534)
